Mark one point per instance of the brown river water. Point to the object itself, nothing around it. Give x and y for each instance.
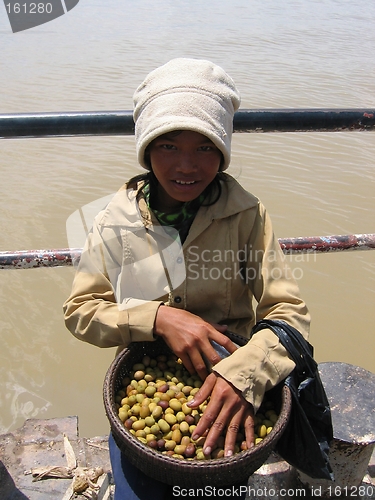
(291, 54)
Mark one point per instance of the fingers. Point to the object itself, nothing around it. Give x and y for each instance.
(219, 337)
(204, 392)
(198, 363)
(211, 355)
(213, 421)
(209, 421)
(243, 418)
(187, 363)
(229, 345)
(225, 414)
(249, 428)
(219, 328)
(201, 357)
(231, 434)
(189, 337)
(217, 423)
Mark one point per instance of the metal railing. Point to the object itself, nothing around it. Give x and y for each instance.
(73, 124)
(121, 122)
(28, 259)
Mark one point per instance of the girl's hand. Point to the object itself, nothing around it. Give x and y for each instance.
(188, 336)
(226, 410)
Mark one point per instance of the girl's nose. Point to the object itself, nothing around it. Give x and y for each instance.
(186, 162)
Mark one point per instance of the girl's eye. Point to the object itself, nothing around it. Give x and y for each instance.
(167, 146)
(206, 148)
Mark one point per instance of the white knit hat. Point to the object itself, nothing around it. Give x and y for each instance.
(186, 94)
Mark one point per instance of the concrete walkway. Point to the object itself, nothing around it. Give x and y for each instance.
(40, 443)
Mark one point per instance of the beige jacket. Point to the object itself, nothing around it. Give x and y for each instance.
(229, 261)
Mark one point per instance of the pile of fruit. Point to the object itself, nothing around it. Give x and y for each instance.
(153, 406)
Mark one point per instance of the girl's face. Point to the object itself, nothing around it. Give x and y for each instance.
(184, 163)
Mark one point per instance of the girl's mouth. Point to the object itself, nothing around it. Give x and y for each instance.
(184, 183)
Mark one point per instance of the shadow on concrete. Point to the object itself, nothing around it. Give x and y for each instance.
(8, 490)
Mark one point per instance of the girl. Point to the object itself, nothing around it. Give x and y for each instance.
(181, 252)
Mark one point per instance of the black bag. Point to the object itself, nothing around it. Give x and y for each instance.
(305, 441)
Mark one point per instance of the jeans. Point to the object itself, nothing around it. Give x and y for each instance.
(132, 484)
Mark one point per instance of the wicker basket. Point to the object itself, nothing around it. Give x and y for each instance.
(186, 473)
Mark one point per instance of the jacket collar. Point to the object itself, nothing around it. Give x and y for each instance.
(123, 210)
(233, 200)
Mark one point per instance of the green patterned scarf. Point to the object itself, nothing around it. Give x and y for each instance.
(180, 220)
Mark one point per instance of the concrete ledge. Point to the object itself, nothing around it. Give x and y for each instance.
(40, 443)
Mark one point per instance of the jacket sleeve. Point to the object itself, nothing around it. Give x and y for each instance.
(264, 362)
(92, 313)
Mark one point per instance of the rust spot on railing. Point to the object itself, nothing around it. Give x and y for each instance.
(30, 259)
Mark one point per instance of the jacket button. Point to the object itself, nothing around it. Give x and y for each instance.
(179, 260)
(177, 299)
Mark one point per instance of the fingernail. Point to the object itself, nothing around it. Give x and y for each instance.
(194, 437)
(191, 403)
(207, 450)
(229, 453)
